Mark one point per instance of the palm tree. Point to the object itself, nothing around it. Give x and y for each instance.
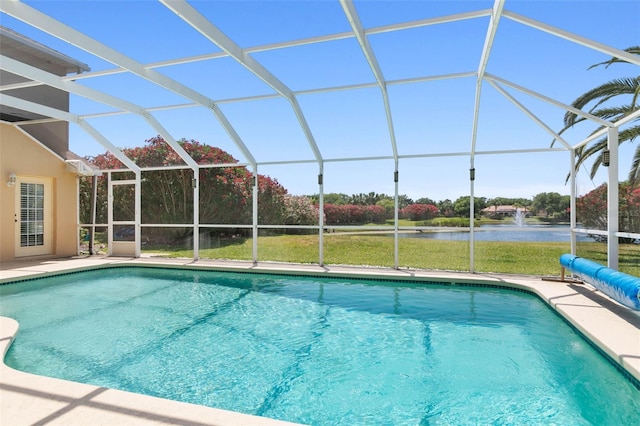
(600, 95)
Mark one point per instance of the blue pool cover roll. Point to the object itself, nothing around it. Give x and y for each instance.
(621, 287)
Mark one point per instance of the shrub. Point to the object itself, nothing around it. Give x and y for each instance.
(419, 212)
(459, 222)
(350, 214)
(299, 210)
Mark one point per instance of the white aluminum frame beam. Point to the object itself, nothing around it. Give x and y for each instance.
(300, 42)
(529, 114)
(19, 85)
(602, 132)
(53, 80)
(255, 216)
(496, 13)
(429, 21)
(265, 97)
(405, 156)
(276, 96)
(608, 50)
(602, 122)
(70, 118)
(49, 25)
(613, 199)
(205, 27)
(321, 214)
(357, 28)
(572, 202)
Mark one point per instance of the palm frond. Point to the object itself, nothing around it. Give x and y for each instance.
(595, 166)
(615, 113)
(586, 153)
(595, 98)
(583, 154)
(601, 94)
(634, 173)
(629, 134)
(620, 135)
(565, 128)
(633, 49)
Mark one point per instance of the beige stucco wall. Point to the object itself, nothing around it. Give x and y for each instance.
(23, 156)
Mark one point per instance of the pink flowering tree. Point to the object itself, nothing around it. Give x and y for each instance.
(591, 209)
(419, 212)
(350, 214)
(167, 195)
(299, 210)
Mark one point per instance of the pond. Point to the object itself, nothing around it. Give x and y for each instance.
(528, 233)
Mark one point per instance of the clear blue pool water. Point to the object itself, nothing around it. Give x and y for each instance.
(318, 351)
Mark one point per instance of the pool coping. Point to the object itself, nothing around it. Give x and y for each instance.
(27, 399)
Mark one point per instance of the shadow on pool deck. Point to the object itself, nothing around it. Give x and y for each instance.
(632, 317)
(89, 401)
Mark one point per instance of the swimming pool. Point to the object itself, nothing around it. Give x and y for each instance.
(316, 350)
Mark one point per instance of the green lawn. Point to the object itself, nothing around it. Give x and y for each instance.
(535, 258)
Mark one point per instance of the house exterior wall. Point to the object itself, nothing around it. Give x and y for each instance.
(25, 157)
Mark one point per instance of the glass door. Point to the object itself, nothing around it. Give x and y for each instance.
(33, 216)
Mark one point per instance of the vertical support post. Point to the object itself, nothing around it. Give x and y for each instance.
(472, 179)
(321, 215)
(255, 215)
(94, 198)
(137, 215)
(395, 218)
(109, 215)
(612, 199)
(196, 213)
(77, 198)
(572, 205)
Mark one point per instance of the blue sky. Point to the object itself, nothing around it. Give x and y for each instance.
(429, 117)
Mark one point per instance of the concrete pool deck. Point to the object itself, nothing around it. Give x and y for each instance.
(27, 399)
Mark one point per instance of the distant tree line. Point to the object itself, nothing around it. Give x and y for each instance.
(548, 204)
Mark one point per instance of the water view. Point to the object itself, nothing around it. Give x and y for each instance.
(528, 233)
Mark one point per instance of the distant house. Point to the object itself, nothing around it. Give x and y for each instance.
(503, 211)
(38, 174)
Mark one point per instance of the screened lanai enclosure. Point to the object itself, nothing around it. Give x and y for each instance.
(302, 131)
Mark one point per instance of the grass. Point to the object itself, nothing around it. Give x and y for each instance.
(534, 258)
